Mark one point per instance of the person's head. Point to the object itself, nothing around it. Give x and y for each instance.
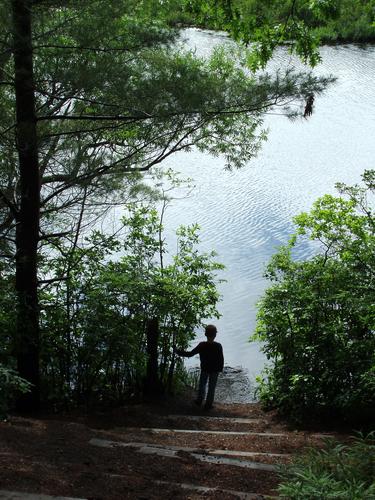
(210, 332)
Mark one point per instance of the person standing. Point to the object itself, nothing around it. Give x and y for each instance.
(212, 363)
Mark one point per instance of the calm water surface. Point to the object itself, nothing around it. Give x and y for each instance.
(245, 215)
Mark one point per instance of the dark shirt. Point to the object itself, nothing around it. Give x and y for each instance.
(211, 356)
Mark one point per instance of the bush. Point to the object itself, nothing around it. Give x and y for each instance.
(10, 385)
(317, 320)
(338, 472)
(94, 324)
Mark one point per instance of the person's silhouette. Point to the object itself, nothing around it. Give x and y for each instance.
(212, 362)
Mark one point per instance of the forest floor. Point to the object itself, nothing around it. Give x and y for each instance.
(168, 450)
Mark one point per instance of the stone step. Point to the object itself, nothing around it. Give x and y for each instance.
(237, 462)
(211, 456)
(232, 420)
(157, 430)
(19, 495)
(207, 451)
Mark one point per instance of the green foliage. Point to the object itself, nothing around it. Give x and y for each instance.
(354, 23)
(10, 385)
(299, 24)
(317, 320)
(116, 94)
(94, 321)
(342, 472)
(7, 309)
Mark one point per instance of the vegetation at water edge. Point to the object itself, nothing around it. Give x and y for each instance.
(332, 21)
(317, 319)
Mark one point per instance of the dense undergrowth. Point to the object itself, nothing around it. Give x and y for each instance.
(95, 323)
(340, 472)
(317, 319)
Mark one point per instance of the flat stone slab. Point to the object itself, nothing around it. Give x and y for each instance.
(157, 430)
(147, 449)
(235, 453)
(203, 455)
(198, 431)
(19, 495)
(207, 451)
(237, 462)
(234, 420)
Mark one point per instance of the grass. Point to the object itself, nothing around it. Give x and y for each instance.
(340, 472)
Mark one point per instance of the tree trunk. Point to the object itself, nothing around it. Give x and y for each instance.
(27, 232)
(152, 385)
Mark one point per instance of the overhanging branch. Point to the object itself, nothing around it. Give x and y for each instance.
(8, 203)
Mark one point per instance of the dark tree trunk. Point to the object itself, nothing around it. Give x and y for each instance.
(152, 385)
(27, 232)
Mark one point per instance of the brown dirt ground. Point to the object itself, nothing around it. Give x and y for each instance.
(52, 454)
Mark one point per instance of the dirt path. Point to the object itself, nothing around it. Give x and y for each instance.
(150, 452)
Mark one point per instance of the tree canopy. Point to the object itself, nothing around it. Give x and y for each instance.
(114, 96)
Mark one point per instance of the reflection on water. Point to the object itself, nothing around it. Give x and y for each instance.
(245, 215)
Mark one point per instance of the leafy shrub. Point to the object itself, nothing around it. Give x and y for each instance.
(10, 385)
(339, 472)
(317, 320)
(94, 322)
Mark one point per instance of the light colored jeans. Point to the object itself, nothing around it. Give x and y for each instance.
(211, 377)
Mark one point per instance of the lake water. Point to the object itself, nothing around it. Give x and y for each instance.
(245, 215)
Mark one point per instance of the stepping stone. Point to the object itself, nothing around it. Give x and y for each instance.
(222, 433)
(215, 419)
(235, 453)
(172, 452)
(198, 431)
(237, 462)
(142, 447)
(19, 495)
(208, 451)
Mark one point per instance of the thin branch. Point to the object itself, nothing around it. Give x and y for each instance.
(7, 256)
(121, 118)
(8, 203)
(257, 107)
(82, 131)
(76, 98)
(107, 168)
(52, 280)
(90, 49)
(54, 235)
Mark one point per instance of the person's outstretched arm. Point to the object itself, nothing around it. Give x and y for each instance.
(188, 354)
